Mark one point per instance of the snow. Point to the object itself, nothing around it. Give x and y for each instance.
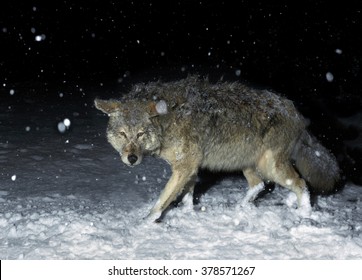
(161, 107)
(73, 198)
(66, 122)
(39, 38)
(64, 125)
(329, 77)
(289, 182)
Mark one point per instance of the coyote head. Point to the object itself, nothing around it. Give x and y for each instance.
(133, 128)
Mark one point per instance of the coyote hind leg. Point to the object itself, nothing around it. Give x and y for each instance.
(255, 185)
(279, 170)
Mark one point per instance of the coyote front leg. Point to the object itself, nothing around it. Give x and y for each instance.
(182, 180)
(256, 185)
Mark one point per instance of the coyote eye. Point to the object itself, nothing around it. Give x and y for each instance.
(123, 134)
(140, 134)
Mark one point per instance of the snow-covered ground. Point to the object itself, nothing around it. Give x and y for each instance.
(69, 196)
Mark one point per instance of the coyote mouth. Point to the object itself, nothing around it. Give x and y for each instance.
(129, 164)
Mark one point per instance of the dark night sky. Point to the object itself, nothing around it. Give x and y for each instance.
(277, 43)
(290, 46)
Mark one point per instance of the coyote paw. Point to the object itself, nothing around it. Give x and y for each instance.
(188, 202)
(252, 193)
(305, 208)
(291, 200)
(304, 211)
(154, 216)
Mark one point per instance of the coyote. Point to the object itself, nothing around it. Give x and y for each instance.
(193, 124)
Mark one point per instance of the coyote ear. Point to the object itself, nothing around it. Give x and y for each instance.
(158, 108)
(107, 106)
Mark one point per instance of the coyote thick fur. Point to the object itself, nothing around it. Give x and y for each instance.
(194, 124)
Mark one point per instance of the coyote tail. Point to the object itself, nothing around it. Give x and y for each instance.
(316, 164)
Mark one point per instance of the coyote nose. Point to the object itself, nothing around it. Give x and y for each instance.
(132, 159)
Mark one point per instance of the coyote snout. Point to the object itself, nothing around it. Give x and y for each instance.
(131, 155)
(132, 159)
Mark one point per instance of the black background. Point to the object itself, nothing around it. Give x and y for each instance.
(287, 46)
